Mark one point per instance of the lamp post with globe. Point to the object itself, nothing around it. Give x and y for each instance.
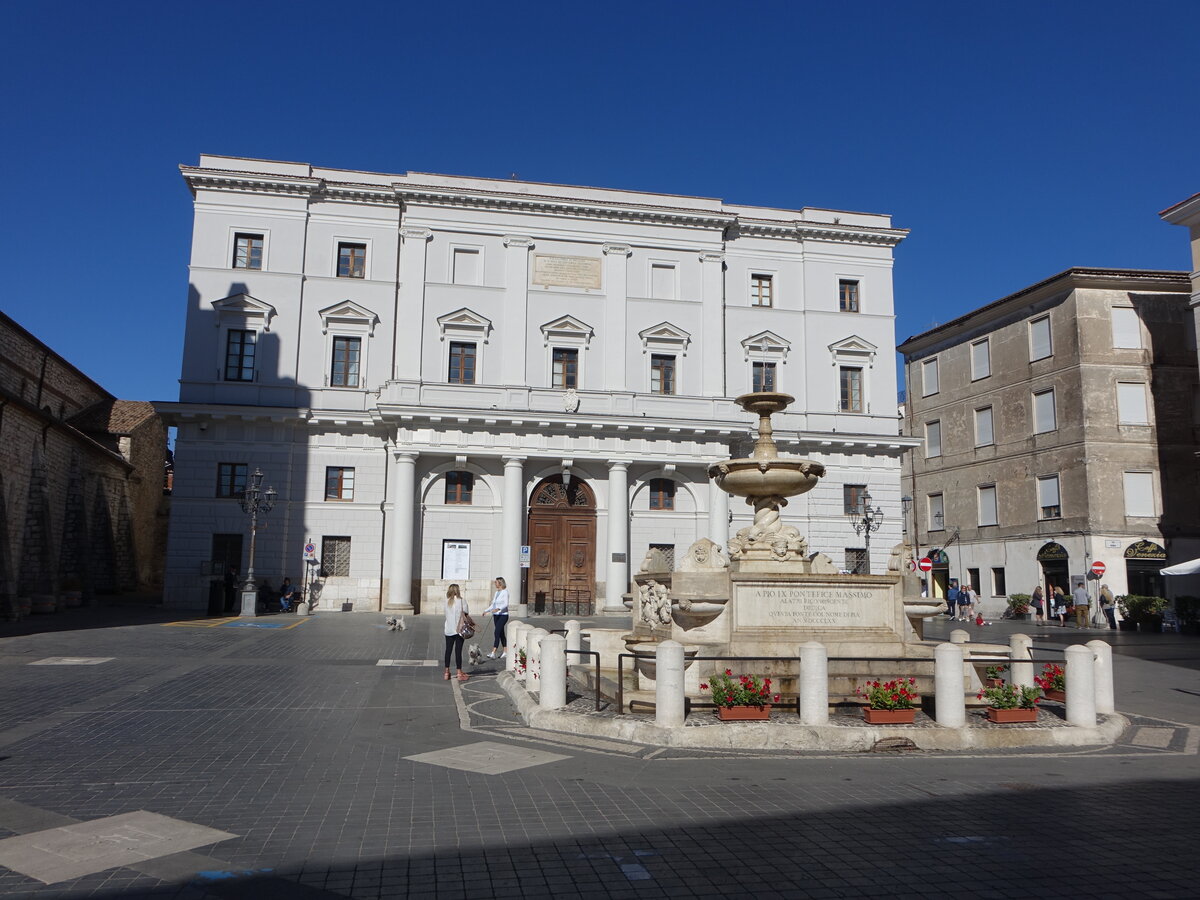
(865, 521)
(255, 502)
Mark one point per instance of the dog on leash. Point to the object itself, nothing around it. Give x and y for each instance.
(394, 623)
(475, 655)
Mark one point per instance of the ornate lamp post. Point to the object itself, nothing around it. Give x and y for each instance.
(255, 501)
(866, 520)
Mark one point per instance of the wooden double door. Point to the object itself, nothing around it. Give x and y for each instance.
(562, 545)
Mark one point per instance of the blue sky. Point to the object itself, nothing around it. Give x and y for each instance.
(1014, 139)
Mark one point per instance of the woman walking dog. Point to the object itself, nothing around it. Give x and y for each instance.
(499, 613)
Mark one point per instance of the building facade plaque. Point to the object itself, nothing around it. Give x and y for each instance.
(769, 606)
(552, 270)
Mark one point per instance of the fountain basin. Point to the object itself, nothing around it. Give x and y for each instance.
(778, 477)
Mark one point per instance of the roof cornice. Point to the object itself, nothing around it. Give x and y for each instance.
(1185, 212)
(254, 182)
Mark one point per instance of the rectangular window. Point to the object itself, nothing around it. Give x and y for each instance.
(1039, 339)
(466, 266)
(999, 585)
(339, 483)
(231, 479)
(662, 282)
(347, 353)
(929, 377)
(987, 505)
(662, 493)
(983, 427)
(851, 389)
(239, 355)
(856, 561)
(1049, 502)
(761, 293)
(248, 251)
(933, 439)
(1126, 328)
(1139, 494)
(335, 556)
(459, 486)
(937, 512)
(852, 497)
(462, 363)
(1131, 403)
(981, 360)
(1044, 418)
(847, 295)
(662, 373)
(973, 579)
(352, 260)
(564, 368)
(763, 376)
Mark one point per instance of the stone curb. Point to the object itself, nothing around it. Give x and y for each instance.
(754, 736)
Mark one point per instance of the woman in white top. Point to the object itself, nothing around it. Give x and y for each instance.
(499, 611)
(456, 611)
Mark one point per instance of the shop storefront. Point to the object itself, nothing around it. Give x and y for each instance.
(1143, 559)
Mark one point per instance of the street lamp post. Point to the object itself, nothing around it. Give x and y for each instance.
(255, 501)
(865, 520)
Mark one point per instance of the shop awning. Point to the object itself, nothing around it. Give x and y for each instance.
(1191, 567)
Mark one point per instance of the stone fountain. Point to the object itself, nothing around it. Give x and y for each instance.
(770, 594)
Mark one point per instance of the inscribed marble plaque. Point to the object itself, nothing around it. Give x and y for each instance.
(815, 607)
(566, 271)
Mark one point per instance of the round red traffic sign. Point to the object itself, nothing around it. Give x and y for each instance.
(925, 564)
(1098, 568)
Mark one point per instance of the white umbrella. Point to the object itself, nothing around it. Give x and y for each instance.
(1191, 567)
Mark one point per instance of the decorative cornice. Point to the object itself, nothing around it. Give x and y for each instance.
(617, 250)
(416, 233)
(518, 242)
(256, 182)
(712, 256)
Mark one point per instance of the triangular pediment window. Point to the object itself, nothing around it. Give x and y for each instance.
(242, 308)
(348, 314)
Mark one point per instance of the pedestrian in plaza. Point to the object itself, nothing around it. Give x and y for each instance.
(1083, 604)
(966, 604)
(287, 595)
(457, 615)
(1108, 605)
(952, 600)
(1060, 605)
(499, 613)
(1039, 605)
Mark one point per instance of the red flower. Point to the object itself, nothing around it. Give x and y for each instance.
(895, 697)
(776, 698)
(876, 684)
(729, 671)
(912, 681)
(703, 686)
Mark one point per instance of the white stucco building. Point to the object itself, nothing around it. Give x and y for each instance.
(420, 363)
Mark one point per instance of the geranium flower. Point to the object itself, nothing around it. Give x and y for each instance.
(776, 698)
(703, 686)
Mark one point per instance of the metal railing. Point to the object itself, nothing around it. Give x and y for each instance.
(596, 654)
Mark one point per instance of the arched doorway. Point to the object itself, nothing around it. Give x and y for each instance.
(561, 577)
(1142, 562)
(1056, 568)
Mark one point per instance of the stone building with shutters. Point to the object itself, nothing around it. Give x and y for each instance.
(447, 379)
(81, 482)
(1058, 428)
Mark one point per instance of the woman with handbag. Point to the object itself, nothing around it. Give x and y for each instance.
(499, 611)
(459, 626)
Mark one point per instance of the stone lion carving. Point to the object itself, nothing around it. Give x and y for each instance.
(654, 561)
(820, 564)
(902, 555)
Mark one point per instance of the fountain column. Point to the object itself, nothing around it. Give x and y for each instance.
(616, 579)
(718, 514)
(509, 562)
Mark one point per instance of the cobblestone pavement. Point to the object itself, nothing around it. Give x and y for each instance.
(340, 777)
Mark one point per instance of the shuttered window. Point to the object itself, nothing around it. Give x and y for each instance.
(1126, 328)
(1039, 338)
(1131, 403)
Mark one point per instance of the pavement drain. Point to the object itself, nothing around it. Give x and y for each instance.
(72, 661)
(407, 662)
(1153, 737)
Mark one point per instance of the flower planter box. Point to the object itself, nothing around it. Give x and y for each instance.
(1007, 716)
(1060, 696)
(888, 716)
(744, 713)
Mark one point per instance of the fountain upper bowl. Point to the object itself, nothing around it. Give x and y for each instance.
(777, 477)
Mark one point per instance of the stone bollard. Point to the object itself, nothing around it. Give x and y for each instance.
(668, 684)
(1020, 647)
(533, 654)
(1081, 686)
(1105, 697)
(959, 636)
(950, 702)
(574, 641)
(512, 657)
(553, 655)
(814, 684)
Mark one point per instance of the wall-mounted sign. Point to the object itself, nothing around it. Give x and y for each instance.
(524, 556)
(1145, 550)
(939, 559)
(1052, 551)
(456, 560)
(566, 271)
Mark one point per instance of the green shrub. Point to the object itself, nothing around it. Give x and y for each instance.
(1138, 607)
(1018, 603)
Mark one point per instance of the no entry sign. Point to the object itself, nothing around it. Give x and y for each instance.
(925, 564)
(1098, 568)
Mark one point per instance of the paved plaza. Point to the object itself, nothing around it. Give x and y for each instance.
(144, 755)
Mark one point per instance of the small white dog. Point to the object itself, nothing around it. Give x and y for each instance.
(475, 655)
(394, 623)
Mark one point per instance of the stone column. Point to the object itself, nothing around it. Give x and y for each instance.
(1081, 686)
(574, 641)
(1019, 648)
(668, 684)
(950, 702)
(513, 655)
(712, 355)
(509, 561)
(718, 515)
(1105, 700)
(814, 684)
(616, 579)
(410, 303)
(514, 351)
(616, 290)
(400, 573)
(533, 651)
(959, 636)
(553, 693)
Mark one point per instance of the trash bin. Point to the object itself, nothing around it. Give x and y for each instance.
(216, 598)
